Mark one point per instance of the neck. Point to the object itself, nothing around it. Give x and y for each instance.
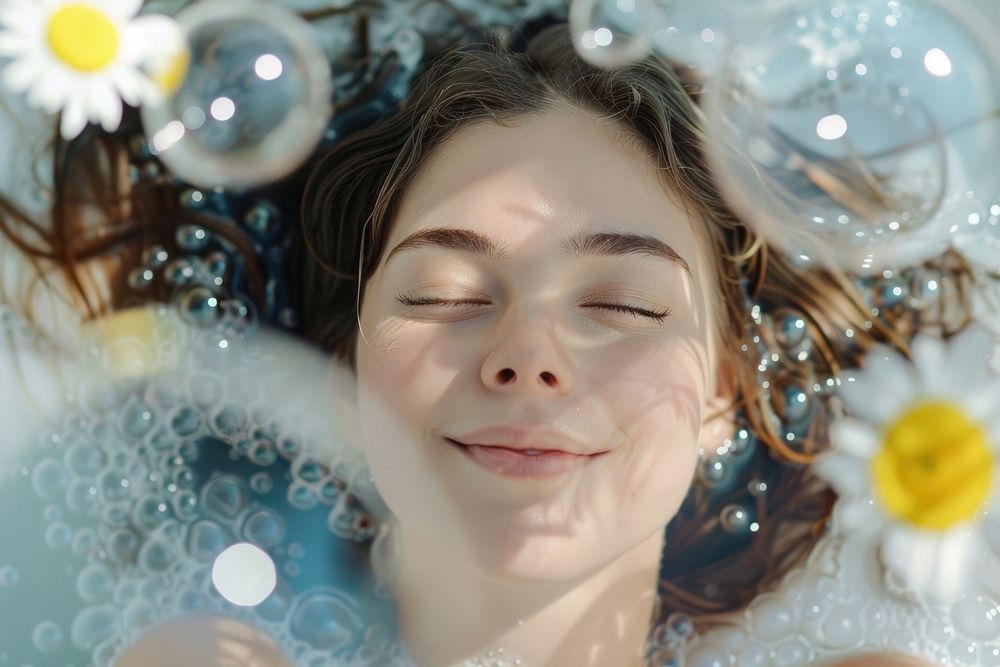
(450, 612)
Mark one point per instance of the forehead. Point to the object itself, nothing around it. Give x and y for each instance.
(543, 179)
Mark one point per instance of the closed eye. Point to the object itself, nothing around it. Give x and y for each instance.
(636, 311)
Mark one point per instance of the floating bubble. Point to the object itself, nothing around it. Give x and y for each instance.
(49, 479)
(149, 512)
(85, 541)
(263, 453)
(199, 306)
(8, 576)
(261, 482)
(124, 545)
(185, 421)
(185, 503)
(85, 459)
(138, 614)
(192, 238)
(254, 103)
(301, 496)
(734, 519)
(263, 218)
(265, 528)
(95, 583)
(93, 625)
(206, 540)
(58, 535)
(229, 420)
(833, 137)
(47, 637)
(611, 32)
(225, 496)
(326, 620)
(157, 555)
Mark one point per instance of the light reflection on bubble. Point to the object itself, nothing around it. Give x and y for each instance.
(244, 574)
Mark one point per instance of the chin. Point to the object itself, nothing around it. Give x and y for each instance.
(539, 559)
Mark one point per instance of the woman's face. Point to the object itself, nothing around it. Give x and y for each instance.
(529, 341)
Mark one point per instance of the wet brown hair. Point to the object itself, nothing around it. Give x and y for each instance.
(353, 190)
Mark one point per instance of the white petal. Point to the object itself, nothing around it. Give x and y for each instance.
(847, 475)
(991, 575)
(128, 82)
(938, 566)
(17, 15)
(74, 119)
(990, 523)
(12, 44)
(876, 398)
(981, 403)
(930, 356)
(49, 94)
(122, 9)
(20, 74)
(858, 516)
(103, 104)
(854, 437)
(152, 36)
(967, 352)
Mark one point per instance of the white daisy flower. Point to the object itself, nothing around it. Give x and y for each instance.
(83, 57)
(915, 463)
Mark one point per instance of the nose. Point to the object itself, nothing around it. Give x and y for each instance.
(530, 361)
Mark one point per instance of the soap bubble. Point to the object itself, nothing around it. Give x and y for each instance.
(611, 32)
(694, 34)
(857, 134)
(254, 103)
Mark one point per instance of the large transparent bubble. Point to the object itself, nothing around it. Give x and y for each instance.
(607, 33)
(254, 103)
(858, 134)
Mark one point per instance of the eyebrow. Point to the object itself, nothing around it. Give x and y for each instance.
(597, 244)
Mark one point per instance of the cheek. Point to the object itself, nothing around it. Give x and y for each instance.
(658, 406)
(400, 385)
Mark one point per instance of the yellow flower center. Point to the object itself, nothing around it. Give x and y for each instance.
(82, 37)
(935, 468)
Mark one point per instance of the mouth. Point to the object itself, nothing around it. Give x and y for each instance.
(523, 463)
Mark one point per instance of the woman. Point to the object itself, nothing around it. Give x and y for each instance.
(532, 255)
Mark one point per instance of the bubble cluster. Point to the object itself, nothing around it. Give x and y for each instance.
(130, 493)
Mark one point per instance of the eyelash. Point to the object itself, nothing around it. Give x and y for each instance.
(634, 310)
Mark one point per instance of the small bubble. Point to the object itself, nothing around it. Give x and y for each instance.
(8, 576)
(58, 535)
(734, 519)
(47, 637)
(261, 482)
(50, 479)
(192, 238)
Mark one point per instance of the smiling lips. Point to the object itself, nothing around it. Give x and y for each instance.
(524, 463)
